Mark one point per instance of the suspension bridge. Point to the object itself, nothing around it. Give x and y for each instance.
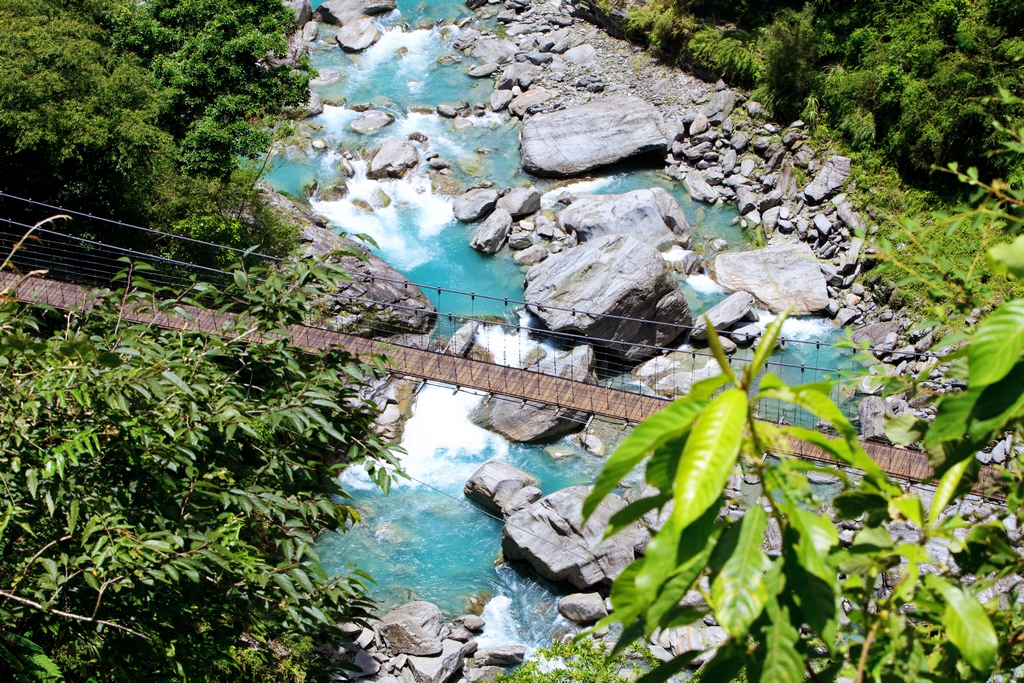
(75, 265)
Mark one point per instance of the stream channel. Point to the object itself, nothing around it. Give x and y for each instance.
(425, 540)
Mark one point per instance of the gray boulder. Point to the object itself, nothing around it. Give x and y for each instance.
(505, 656)
(521, 201)
(460, 342)
(583, 608)
(310, 31)
(438, 669)
(531, 255)
(781, 276)
(484, 674)
(475, 204)
(829, 181)
(483, 70)
(736, 307)
(652, 216)
(494, 484)
(533, 97)
(518, 73)
(415, 628)
(344, 12)
(720, 105)
(491, 235)
(371, 121)
(494, 50)
(872, 413)
(303, 10)
(500, 99)
(699, 188)
(583, 55)
(577, 139)
(675, 374)
(531, 421)
(746, 200)
(357, 36)
(551, 537)
(393, 159)
(575, 291)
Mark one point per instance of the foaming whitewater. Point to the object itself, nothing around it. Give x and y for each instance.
(549, 199)
(704, 285)
(509, 346)
(800, 328)
(524, 612)
(392, 201)
(422, 47)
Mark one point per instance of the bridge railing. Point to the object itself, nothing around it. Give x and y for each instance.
(486, 328)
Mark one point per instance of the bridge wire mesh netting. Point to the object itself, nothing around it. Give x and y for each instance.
(492, 331)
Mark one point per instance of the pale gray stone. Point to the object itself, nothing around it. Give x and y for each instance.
(582, 608)
(507, 655)
(491, 235)
(520, 201)
(393, 159)
(371, 121)
(652, 216)
(781, 276)
(494, 483)
(415, 628)
(438, 669)
(357, 36)
(475, 204)
(723, 315)
(344, 12)
(829, 180)
(531, 255)
(699, 188)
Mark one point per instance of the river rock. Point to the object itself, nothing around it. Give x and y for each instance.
(583, 55)
(736, 307)
(577, 139)
(344, 12)
(303, 10)
(699, 188)
(533, 97)
(583, 608)
(500, 99)
(371, 121)
(720, 105)
(483, 71)
(357, 36)
(393, 159)
(520, 201)
(484, 674)
(652, 216)
(310, 31)
(675, 374)
(525, 423)
(438, 669)
(517, 73)
(781, 276)
(415, 628)
(494, 484)
(491, 235)
(872, 414)
(475, 204)
(746, 200)
(614, 275)
(829, 181)
(494, 50)
(531, 255)
(315, 105)
(551, 537)
(508, 655)
(460, 342)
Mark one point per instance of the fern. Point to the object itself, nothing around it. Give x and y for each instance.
(729, 54)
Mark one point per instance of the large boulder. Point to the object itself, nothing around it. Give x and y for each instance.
(372, 121)
(376, 287)
(551, 537)
(527, 422)
(699, 188)
(520, 201)
(475, 204)
(603, 288)
(303, 10)
(393, 159)
(494, 50)
(829, 181)
(674, 374)
(357, 36)
(577, 139)
(494, 484)
(652, 216)
(491, 235)
(736, 307)
(583, 608)
(781, 276)
(533, 97)
(415, 628)
(438, 669)
(344, 12)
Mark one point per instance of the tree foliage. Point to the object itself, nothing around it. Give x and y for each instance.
(140, 111)
(162, 490)
(900, 600)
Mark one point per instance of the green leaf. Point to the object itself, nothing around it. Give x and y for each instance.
(664, 425)
(666, 671)
(782, 663)
(967, 625)
(946, 489)
(1008, 258)
(765, 347)
(738, 592)
(997, 344)
(171, 377)
(905, 429)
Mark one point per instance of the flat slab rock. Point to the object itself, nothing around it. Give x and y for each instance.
(577, 139)
(781, 276)
(652, 216)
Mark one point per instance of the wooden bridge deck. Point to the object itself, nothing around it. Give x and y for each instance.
(515, 383)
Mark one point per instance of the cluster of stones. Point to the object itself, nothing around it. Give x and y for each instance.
(413, 644)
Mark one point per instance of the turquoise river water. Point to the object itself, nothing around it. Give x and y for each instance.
(424, 541)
